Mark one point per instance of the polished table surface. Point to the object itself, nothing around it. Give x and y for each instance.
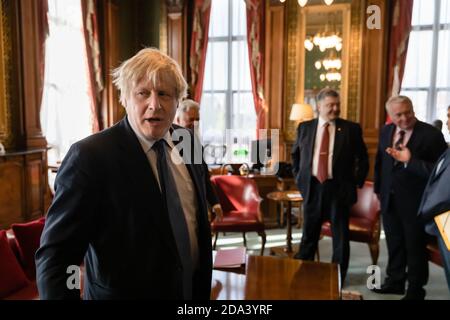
(274, 278)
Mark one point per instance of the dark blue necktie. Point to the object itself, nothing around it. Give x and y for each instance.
(176, 216)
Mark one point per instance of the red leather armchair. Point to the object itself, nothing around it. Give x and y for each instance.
(433, 253)
(240, 201)
(364, 221)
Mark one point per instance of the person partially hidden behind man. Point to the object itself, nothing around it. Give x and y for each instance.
(129, 204)
(436, 200)
(407, 152)
(329, 161)
(188, 116)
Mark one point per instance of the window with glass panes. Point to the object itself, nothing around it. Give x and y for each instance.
(227, 99)
(66, 105)
(427, 72)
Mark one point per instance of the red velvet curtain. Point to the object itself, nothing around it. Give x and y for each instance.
(199, 45)
(255, 40)
(398, 45)
(42, 34)
(91, 36)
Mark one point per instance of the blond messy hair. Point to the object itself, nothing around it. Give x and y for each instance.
(151, 64)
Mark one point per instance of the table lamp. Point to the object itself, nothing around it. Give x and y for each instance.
(301, 112)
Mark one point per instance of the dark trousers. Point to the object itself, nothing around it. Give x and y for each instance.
(405, 238)
(323, 205)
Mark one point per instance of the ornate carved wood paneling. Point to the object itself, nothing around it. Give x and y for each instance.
(30, 77)
(373, 82)
(163, 27)
(6, 70)
(177, 39)
(23, 177)
(291, 74)
(274, 61)
(35, 185)
(112, 110)
(11, 190)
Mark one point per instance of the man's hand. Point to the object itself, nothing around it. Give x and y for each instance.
(402, 155)
(217, 209)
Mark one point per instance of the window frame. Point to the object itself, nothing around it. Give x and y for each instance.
(433, 90)
(229, 92)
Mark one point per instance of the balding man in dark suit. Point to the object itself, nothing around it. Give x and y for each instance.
(407, 152)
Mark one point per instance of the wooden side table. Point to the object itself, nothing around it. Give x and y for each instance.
(288, 197)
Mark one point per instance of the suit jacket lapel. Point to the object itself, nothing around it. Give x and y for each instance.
(311, 139)
(415, 137)
(145, 181)
(390, 137)
(338, 139)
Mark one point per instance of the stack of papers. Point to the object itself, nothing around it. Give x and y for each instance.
(230, 258)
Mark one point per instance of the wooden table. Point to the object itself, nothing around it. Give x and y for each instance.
(288, 197)
(274, 278)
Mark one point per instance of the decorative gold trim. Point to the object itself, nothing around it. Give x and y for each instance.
(6, 136)
(294, 62)
(291, 68)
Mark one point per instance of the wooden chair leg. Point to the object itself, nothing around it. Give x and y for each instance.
(318, 254)
(245, 239)
(262, 234)
(374, 252)
(216, 235)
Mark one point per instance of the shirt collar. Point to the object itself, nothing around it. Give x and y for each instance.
(147, 144)
(323, 121)
(407, 131)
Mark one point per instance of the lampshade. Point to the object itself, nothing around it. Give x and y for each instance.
(301, 112)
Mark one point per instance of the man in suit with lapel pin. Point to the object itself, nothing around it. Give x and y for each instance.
(329, 161)
(436, 200)
(407, 152)
(128, 203)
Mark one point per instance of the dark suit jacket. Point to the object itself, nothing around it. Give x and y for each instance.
(211, 194)
(108, 209)
(350, 160)
(436, 197)
(426, 145)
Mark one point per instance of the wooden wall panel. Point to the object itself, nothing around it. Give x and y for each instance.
(11, 191)
(30, 77)
(274, 73)
(112, 111)
(35, 185)
(175, 40)
(4, 123)
(23, 186)
(374, 65)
